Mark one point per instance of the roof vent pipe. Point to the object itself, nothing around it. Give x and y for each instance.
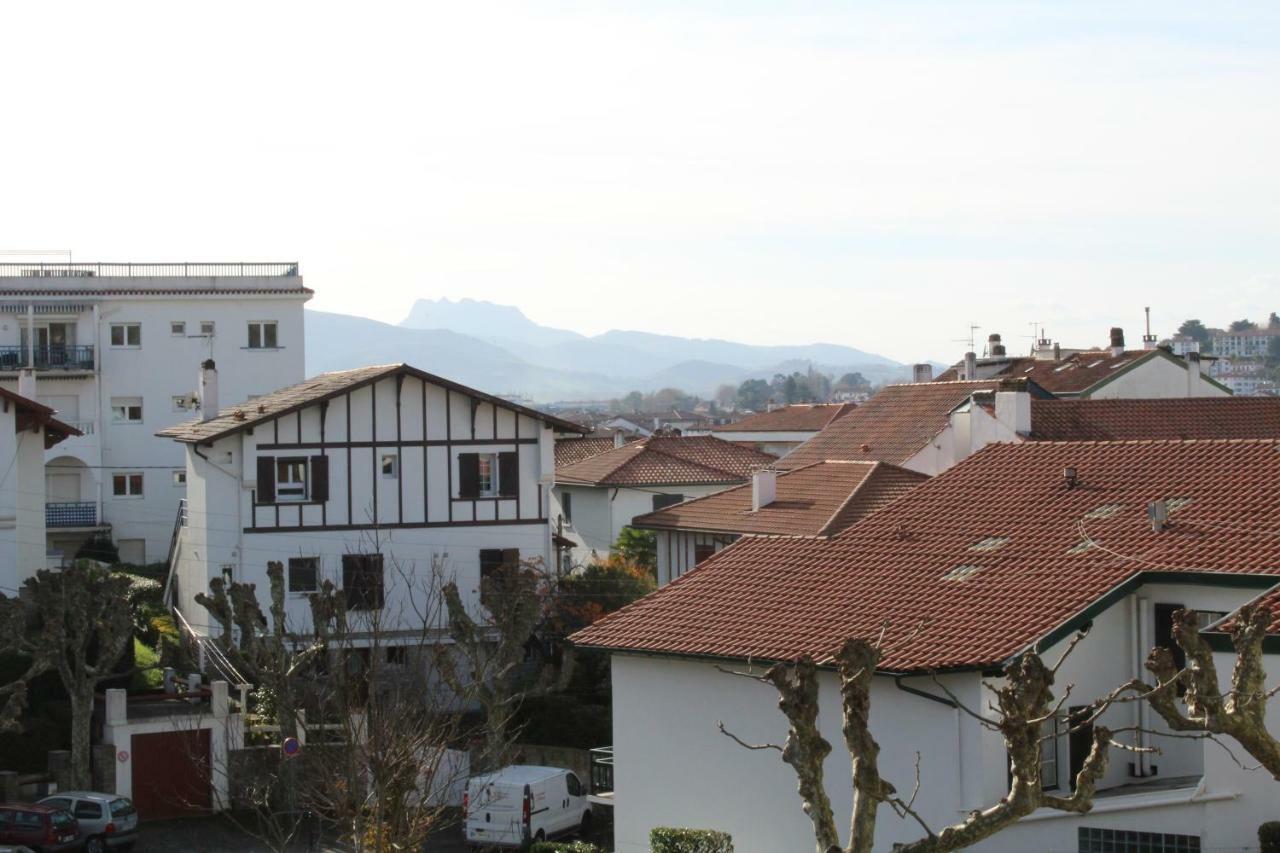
(1117, 341)
(208, 389)
(764, 488)
(970, 366)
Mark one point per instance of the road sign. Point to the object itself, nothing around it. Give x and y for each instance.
(290, 747)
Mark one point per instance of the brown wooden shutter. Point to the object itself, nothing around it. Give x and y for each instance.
(266, 479)
(510, 556)
(509, 475)
(468, 475)
(320, 478)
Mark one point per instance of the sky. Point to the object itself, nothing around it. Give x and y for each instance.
(875, 174)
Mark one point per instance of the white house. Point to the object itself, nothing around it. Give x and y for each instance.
(783, 429)
(113, 346)
(596, 496)
(27, 431)
(1016, 548)
(367, 477)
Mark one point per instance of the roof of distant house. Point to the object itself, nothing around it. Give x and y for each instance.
(998, 554)
(667, 460)
(571, 450)
(797, 418)
(1172, 418)
(892, 426)
(29, 411)
(817, 500)
(1077, 373)
(325, 386)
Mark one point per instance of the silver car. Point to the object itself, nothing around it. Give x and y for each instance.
(107, 822)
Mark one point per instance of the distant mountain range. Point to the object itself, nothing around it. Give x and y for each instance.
(498, 349)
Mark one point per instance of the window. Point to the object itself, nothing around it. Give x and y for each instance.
(177, 328)
(702, 551)
(362, 581)
(206, 327)
(183, 403)
(1093, 840)
(1050, 731)
(397, 655)
(126, 334)
(179, 476)
(291, 479)
(566, 506)
(488, 475)
(126, 410)
(390, 466)
(662, 501)
(87, 809)
(262, 335)
(304, 574)
(126, 485)
(574, 786)
(492, 559)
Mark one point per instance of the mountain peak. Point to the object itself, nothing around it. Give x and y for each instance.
(486, 320)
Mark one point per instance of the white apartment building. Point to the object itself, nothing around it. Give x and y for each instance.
(114, 348)
(369, 478)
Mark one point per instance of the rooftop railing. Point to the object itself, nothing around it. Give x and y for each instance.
(282, 269)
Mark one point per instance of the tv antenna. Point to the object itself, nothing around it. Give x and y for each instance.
(971, 340)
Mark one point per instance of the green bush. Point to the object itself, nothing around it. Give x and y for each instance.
(564, 847)
(1269, 837)
(665, 839)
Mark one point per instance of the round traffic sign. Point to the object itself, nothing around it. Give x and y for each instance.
(290, 746)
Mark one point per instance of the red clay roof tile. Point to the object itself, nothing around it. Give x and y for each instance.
(667, 460)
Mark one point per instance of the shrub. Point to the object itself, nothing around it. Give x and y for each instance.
(98, 547)
(665, 839)
(564, 847)
(1269, 837)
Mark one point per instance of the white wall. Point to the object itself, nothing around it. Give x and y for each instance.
(600, 513)
(1157, 378)
(677, 550)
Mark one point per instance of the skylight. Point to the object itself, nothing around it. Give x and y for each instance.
(1094, 363)
(1104, 511)
(962, 572)
(1175, 504)
(991, 543)
(1081, 546)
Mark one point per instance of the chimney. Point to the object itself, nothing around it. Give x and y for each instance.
(1117, 340)
(1013, 410)
(1057, 352)
(1148, 340)
(1193, 373)
(27, 383)
(970, 366)
(995, 349)
(618, 439)
(922, 373)
(208, 390)
(764, 488)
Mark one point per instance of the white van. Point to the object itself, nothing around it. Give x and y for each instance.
(522, 803)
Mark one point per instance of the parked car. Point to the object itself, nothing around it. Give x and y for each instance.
(45, 829)
(523, 803)
(107, 822)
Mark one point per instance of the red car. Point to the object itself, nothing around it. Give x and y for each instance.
(42, 828)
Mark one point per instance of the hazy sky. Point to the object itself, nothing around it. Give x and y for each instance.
(872, 174)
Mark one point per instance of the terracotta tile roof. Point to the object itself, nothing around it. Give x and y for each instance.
(1187, 417)
(571, 450)
(892, 426)
(802, 418)
(1074, 374)
(667, 460)
(244, 415)
(818, 500)
(977, 563)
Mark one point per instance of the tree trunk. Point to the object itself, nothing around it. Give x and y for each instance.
(81, 721)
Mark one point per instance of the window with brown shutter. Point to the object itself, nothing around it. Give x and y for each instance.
(320, 478)
(492, 559)
(362, 581)
(266, 479)
(509, 475)
(468, 475)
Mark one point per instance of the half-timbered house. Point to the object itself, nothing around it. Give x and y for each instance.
(372, 478)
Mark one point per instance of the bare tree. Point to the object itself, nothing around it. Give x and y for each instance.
(76, 622)
(1023, 703)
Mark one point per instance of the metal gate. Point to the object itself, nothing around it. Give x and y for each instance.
(171, 774)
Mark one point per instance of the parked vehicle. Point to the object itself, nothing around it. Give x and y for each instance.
(45, 829)
(523, 803)
(107, 822)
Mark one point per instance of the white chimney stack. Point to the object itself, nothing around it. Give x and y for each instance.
(208, 389)
(1013, 411)
(922, 372)
(970, 366)
(27, 383)
(1193, 374)
(1117, 341)
(618, 439)
(764, 488)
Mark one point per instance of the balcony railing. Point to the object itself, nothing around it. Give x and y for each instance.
(71, 514)
(128, 270)
(602, 770)
(52, 357)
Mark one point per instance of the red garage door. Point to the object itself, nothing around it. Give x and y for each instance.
(171, 774)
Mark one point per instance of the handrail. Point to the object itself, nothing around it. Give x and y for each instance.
(179, 522)
(183, 269)
(49, 356)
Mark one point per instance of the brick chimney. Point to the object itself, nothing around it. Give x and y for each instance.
(1013, 409)
(970, 366)
(208, 390)
(1117, 341)
(764, 488)
(995, 348)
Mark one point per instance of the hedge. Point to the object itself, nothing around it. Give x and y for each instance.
(564, 847)
(1269, 837)
(665, 839)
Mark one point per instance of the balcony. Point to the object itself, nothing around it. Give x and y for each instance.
(71, 514)
(52, 357)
